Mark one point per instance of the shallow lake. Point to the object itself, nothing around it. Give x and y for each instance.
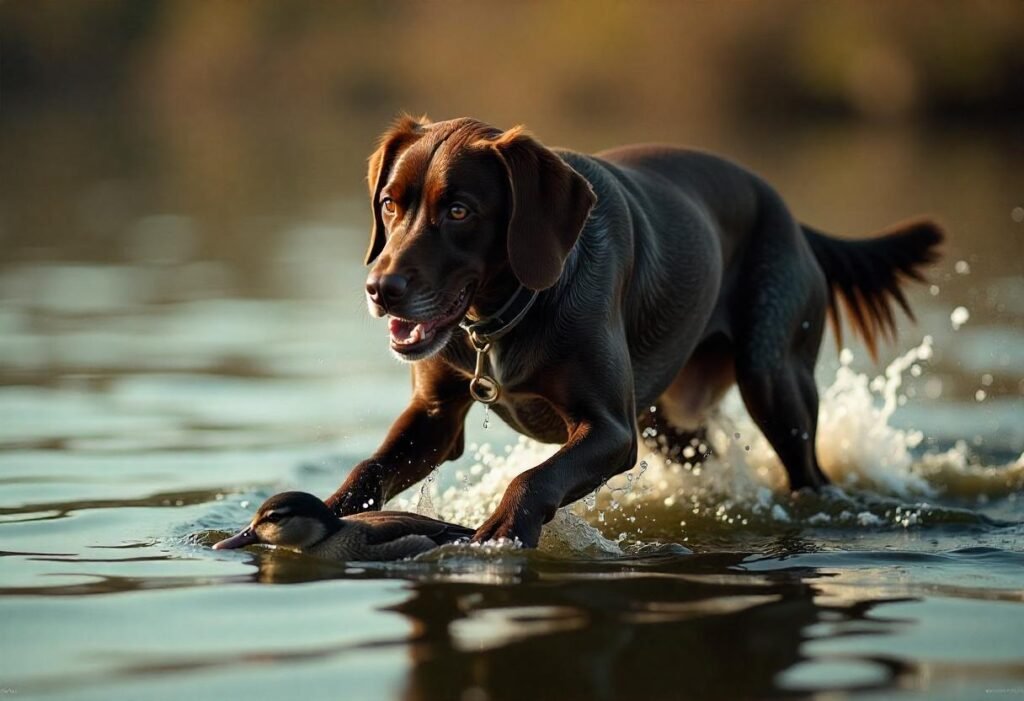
(182, 334)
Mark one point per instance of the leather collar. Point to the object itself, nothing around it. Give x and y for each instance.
(490, 329)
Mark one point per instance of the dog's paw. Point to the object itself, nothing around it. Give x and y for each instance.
(511, 526)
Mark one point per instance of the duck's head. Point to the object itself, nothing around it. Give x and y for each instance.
(292, 519)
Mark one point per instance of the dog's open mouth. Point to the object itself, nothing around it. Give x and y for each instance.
(409, 337)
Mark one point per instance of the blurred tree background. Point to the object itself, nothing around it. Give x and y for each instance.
(237, 114)
(565, 63)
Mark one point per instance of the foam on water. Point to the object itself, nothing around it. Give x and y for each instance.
(740, 483)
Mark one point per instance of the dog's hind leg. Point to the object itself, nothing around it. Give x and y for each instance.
(783, 402)
(780, 319)
(682, 410)
(672, 443)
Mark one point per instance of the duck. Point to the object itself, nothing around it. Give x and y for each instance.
(303, 522)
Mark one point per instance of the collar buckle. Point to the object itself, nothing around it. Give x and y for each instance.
(483, 387)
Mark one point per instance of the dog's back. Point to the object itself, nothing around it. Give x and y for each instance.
(679, 196)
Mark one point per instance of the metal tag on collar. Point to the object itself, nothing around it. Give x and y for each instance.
(483, 388)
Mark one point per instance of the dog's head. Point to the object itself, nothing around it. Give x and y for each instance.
(454, 204)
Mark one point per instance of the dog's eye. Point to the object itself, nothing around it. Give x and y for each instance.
(388, 205)
(458, 212)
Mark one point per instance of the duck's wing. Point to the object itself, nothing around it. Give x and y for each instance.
(386, 526)
(406, 546)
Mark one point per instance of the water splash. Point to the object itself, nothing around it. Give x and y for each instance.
(733, 481)
(857, 445)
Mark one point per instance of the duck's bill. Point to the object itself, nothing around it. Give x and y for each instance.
(238, 540)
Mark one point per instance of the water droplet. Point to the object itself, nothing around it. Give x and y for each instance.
(959, 317)
(962, 267)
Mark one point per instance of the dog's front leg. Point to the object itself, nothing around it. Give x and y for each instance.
(597, 449)
(593, 392)
(426, 434)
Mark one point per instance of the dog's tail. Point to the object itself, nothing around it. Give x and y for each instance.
(866, 275)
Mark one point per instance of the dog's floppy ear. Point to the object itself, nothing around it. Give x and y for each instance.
(550, 203)
(400, 136)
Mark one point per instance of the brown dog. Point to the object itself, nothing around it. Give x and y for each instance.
(592, 288)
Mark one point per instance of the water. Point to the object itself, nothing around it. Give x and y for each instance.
(175, 349)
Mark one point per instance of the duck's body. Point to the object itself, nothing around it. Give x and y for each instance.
(302, 521)
(387, 535)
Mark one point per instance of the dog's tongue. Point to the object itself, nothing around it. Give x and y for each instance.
(408, 332)
(401, 330)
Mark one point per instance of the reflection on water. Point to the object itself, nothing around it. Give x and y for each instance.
(183, 335)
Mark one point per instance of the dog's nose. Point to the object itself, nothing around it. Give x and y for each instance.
(386, 289)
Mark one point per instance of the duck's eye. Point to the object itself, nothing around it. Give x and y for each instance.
(388, 205)
(458, 212)
(273, 517)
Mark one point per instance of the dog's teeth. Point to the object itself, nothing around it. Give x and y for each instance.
(410, 333)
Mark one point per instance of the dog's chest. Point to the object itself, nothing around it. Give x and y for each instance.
(518, 405)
